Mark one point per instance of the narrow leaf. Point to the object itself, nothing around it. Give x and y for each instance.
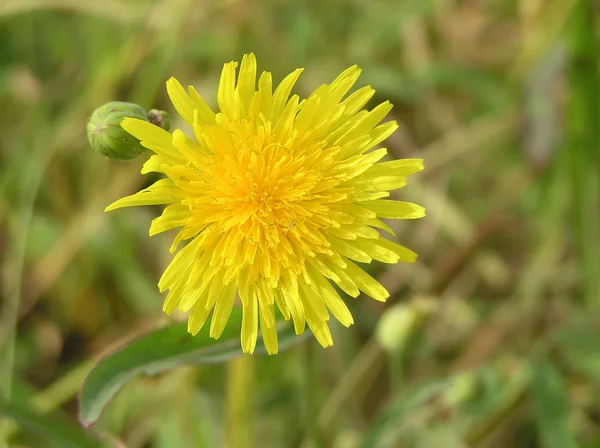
(53, 428)
(162, 350)
(551, 407)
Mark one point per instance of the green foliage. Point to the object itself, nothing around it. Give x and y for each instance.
(162, 350)
(55, 430)
(551, 407)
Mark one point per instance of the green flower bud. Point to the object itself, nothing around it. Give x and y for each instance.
(160, 118)
(106, 135)
(462, 388)
(400, 321)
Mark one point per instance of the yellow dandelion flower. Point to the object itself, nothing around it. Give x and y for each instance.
(278, 197)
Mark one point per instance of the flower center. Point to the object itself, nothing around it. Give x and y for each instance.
(264, 189)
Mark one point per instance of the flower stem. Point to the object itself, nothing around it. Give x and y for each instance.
(311, 383)
(583, 145)
(240, 379)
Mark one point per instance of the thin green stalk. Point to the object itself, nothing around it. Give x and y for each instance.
(13, 272)
(312, 437)
(311, 366)
(11, 307)
(240, 409)
(358, 376)
(584, 145)
(396, 368)
(54, 395)
(31, 181)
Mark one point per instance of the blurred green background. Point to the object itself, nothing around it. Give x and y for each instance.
(492, 339)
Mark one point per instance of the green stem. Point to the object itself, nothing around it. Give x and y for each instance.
(240, 384)
(396, 364)
(311, 382)
(37, 163)
(584, 145)
(55, 395)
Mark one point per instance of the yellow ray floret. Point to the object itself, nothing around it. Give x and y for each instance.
(277, 197)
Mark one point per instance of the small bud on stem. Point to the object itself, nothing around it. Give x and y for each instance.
(160, 118)
(108, 138)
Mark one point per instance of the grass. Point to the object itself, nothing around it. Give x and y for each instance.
(500, 99)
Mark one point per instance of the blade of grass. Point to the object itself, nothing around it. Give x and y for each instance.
(56, 394)
(52, 428)
(36, 166)
(551, 407)
(584, 145)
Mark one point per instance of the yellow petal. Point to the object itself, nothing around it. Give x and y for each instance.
(180, 99)
(205, 113)
(171, 217)
(319, 328)
(312, 297)
(355, 230)
(250, 324)
(281, 305)
(360, 212)
(223, 307)
(296, 309)
(180, 262)
(161, 192)
(394, 209)
(400, 167)
(226, 90)
(308, 114)
(269, 335)
(192, 151)
(344, 281)
(374, 137)
(198, 317)
(366, 283)
(377, 251)
(333, 301)
(215, 287)
(348, 249)
(366, 123)
(152, 165)
(404, 253)
(377, 223)
(266, 309)
(358, 99)
(153, 138)
(247, 79)
(380, 183)
(263, 100)
(282, 93)
(284, 124)
(380, 133)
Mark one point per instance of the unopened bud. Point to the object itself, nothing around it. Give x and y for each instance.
(399, 322)
(462, 388)
(160, 118)
(106, 135)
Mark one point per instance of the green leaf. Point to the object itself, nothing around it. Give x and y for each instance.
(551, 407)
(161, 350)
(53, 428)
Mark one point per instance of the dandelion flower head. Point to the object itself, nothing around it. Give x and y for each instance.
(277, 198)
